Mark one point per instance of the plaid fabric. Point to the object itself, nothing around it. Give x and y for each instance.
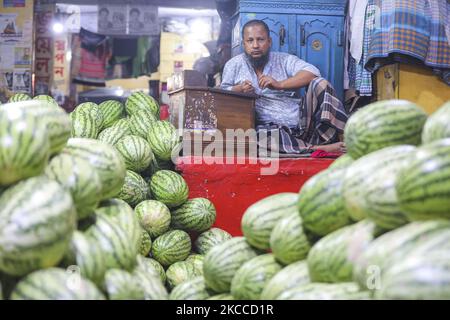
(322, 120)
(415, 28)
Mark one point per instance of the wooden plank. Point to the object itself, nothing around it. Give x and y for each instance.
(387, 82)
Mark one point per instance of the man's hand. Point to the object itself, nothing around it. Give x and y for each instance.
(246, 87)
(269, 82)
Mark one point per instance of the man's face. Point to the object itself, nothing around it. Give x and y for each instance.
(256, 41)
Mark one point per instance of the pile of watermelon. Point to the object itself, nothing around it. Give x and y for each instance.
(90, 204)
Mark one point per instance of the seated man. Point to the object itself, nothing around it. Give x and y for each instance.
(302, 124)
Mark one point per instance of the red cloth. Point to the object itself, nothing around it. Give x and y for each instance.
(323, 154)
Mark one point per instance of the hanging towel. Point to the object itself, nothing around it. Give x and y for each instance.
(357, 9)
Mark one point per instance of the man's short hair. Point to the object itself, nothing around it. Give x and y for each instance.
(104, 10)
(135, 10)
(256, 22)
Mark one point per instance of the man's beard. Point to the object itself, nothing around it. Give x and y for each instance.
(260, 62)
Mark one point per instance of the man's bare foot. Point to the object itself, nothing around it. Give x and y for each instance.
(335, 147)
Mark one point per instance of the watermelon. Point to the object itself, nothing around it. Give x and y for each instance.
(19, 97)
(197, 260)
(342, 162)
(222, 296)
(134, 190)
(169, 187)
(154, 217)
(79, 178)
(209, 239)
(94, 110)
(37, 218)
(321, 203)
(111, 111)
(141, 101)
(436, 127)
(135, 151)
(105, 159)
(86, 254)
(171, 247)
(112, 135)
(223, 261)
(331, 259)
(382, 124)
(24, 146)
(163, 139)
(260, 218)
(293, 275)
(84, 125)
(193, 289)
(197, 214)
(423, 186)
(141, 122)
(146, 243)
(369, 186)
(180, 272)
(152, 286)
(46, 98)
(324, 291)
(123, 124)
(151, 266)
(55, 284)
(121, 285)
(288, 240)
(251, 278)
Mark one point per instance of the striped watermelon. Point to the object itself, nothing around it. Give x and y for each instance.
(260, 218)
(197, 260)
(83, 125)
(105, 159)
(423, 186)
(154, 217)
(48, 99)
(324, 291)
(95, 112)
(288, 240)
(114, 240)
(55, 284)
(171, 247)
(141, 101)
(86, 254)
(436, 127)
(222, 262)
(123, 123)
(151, 266)
(146, 243)
(197, 214)
(163, 138)
(382, 124)
(209, 239)
(121, 285)
(251, 278)
(24, 146)
(135, 152)
(111, 111)
(113, 134)
(180, 272)
(332, 258)
(37, 218)
(222, 296)
(157, 165)
(193, 289)
(169, 188)
(321, 203)
(342, 162)
(79, 178)
(152, 285)
(19, 97)
(134, 190)
(289, 277)
(141, 122)
(369, 186)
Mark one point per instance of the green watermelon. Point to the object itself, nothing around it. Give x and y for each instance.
(24, 146)
(321, 203)
(152, 286)
(251, 278)
(114, 134)
(222, 296)
(146, 243)
(197, 214)
(123, 124)
(121, 285)
(136, 152)
(141, 101)
(105, 159)
(342, 162)
(223, 261)
(55, 284)
(79, 178)
(382, 124)
(141, 122)
(134, 190)
(197, 260)
(180, 272)
(436, 127)
(163, 139)
(369, 186)
(111, 111)
(37, 218)
(19, 97)
(423, 186)
(324, 291)
(154, 217)
(48, 99)
(293, 275)
(95, 112)
(151, 266)
(84, 125)
(209, 239)
(288, 240)
(171, 247)
(169, 187)
(193, 289)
